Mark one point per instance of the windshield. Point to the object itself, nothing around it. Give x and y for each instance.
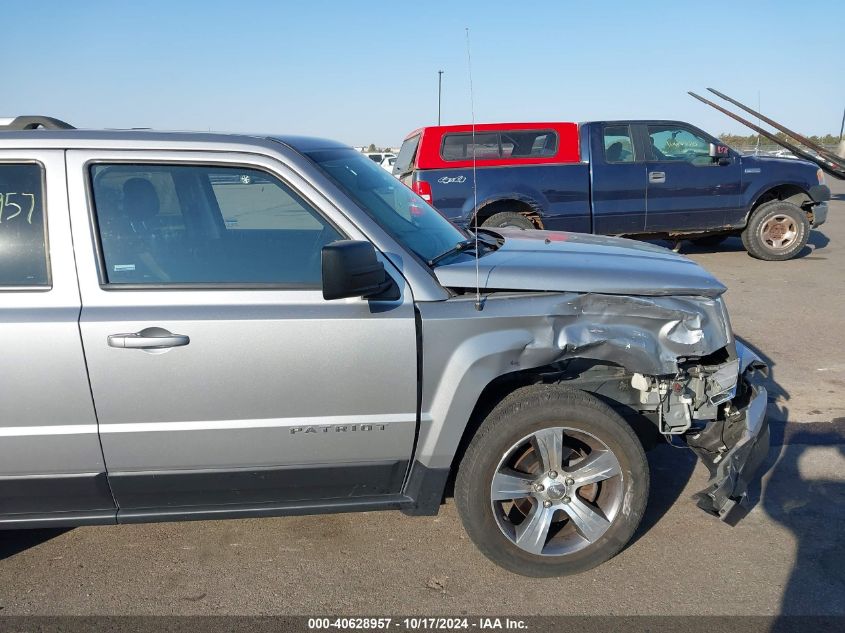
(398, 210)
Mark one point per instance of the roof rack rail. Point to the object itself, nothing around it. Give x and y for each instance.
(34, 123)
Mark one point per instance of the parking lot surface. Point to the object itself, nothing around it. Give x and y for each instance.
(786, 556)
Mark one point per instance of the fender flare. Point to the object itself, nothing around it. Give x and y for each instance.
(755, 202)
(534, 199)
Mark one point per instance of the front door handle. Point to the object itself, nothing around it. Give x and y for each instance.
(657, 176)
(148, 338)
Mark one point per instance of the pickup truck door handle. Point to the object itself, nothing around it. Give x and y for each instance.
(657, 176)
(148, 338)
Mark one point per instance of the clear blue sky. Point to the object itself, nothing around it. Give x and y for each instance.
(366, 71)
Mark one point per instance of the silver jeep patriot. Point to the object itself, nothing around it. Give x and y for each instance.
(204, 326)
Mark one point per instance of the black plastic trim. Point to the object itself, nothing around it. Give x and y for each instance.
(425, 489)
(247, 487)
(423, 495)
(37, 494)
(57, 519)
(244, 511)
(34, 122)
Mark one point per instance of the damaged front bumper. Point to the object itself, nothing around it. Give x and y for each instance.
(734, 447)
(819, 214)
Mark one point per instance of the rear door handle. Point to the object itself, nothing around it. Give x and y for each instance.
(657, 176)
(148, 338)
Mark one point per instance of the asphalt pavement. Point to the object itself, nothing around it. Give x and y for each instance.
(785, 557)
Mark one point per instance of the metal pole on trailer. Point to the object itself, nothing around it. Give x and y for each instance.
(842, 127)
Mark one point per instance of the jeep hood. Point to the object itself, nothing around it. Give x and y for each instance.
(558, 261)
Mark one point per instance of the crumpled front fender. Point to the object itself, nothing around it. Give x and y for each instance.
(464, 350)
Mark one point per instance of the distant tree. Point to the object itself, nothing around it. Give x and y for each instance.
(371, 148)
(752, 140)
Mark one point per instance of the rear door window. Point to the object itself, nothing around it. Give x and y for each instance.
(618, 146)
(23, 242)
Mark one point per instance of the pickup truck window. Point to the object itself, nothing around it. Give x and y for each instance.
(193, 224)
(403, 214)
(461, 147)
(493, 145)
(679, 144)
(23, 243)
(528, 143)
(618, 146)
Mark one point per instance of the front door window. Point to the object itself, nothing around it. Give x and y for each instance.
(196, 224)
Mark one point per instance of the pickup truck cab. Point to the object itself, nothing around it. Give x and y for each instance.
(205, 326)
(645, 179)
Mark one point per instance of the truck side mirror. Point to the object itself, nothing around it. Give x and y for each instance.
(719, 151)
(351, 269)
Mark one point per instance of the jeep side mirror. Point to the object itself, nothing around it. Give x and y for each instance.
(351, 269)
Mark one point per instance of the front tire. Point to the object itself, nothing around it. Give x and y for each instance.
(553, 483)
(776, 231)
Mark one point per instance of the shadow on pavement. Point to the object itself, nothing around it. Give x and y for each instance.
(813, 510)
(815, 242)
(731, 244)
(670, 470)
(818, 239)
(16, 541)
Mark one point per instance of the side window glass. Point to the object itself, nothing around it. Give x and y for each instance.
(407, 156)
(679, 144)
(529, 144)
(460, 146)
(618, 146)
(23, 242)
(185, 224)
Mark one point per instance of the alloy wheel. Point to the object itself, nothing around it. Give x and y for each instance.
(556, 491)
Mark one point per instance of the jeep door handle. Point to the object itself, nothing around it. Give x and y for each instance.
(657, 176)
(148, 338)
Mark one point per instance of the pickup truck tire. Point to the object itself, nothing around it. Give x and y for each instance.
(776, 231)
(508, 218)
(554, 482)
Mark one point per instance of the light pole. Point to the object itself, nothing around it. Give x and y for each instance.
(439, 92)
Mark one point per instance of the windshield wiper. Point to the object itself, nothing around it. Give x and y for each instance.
(460, 247)
(489, 238)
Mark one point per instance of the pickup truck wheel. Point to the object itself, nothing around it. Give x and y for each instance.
(554, 482)
(509, 218)
(776, 231)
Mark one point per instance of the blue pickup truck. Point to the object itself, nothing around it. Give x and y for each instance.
(645, 179)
